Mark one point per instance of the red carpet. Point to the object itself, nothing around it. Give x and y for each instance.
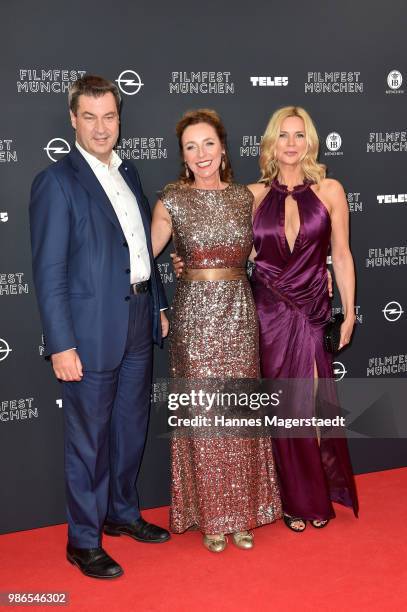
(353, 564)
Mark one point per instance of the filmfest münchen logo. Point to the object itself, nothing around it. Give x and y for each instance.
(13, 284)
(166, 272)
(383, 257)
(333, 83)
(394, 81)
(5, 349)
(386, 365)
(354, 201)
(392, 311)
(203, 82)
(129, 82)
(18, 409)
(333, 144)
(250, 146)
(7, 151)
(136, 147)
(387, 142)
(47, 80)
(57, 148)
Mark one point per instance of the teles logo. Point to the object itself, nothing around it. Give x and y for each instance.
(339, 370)
(392, 311)
(129, 82)
(5, 349)
(394, 81)
(333, 144)
(3, 217)
(268, 81)
(57, 148)
(400, 198)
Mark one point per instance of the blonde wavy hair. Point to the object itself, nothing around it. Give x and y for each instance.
(312, 169)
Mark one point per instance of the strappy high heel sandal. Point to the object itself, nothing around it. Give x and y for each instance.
(291, 520)
(317, 524)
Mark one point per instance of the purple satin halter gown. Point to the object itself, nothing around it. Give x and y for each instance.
(293, 305)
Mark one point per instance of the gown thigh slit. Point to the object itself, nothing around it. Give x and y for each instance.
(293, 305)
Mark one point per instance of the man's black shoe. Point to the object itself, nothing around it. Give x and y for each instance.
(139, 530)
(93, 562)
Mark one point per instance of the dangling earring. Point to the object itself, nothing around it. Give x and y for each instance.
(186, 170)
(223, 164)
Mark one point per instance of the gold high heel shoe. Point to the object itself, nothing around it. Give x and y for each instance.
(243, 539)
(215, 544)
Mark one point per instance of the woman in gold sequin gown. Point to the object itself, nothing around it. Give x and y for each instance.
(221, 484)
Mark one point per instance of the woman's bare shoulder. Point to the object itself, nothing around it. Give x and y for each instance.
(259, 191)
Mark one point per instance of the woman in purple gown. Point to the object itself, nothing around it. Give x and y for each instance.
(299, 214)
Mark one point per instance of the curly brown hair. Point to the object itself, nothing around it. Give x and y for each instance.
(211, 117)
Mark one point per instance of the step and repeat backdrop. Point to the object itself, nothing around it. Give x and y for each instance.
(344, 62)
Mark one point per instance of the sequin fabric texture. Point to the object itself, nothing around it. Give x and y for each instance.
(221, 484)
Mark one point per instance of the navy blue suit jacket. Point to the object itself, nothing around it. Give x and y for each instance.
(81, 262)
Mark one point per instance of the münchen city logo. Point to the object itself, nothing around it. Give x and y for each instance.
(333, 141)
(5, 349)
(394, 79)
(57, 148)
(339, 370)
(392, 311)
(129, 82)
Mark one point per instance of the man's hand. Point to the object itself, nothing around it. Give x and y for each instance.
(165, 324)
(178, 264)
(67, 365)
(330, 284)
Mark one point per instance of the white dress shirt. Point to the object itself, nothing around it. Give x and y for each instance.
(125, 205)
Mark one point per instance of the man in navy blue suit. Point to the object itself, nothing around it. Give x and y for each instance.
(101, 303)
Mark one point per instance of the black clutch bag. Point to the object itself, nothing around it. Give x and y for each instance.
(332, 333)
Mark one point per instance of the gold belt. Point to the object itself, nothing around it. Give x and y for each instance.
(214, 274)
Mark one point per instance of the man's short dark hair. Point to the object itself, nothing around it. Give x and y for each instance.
(92, 85)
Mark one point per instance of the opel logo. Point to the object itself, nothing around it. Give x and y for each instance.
(57, 148)
(5, 350)
(339, 370)
(129, 82)
(392, 311)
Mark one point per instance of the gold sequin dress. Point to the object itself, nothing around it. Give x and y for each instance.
(221, 484)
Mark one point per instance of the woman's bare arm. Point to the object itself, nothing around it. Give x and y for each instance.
(161, 228)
